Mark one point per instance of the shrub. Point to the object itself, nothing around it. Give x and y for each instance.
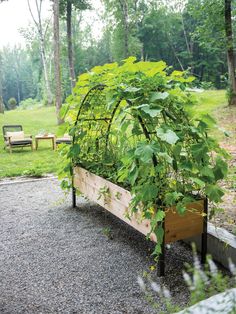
(12, 103)
(29, 103)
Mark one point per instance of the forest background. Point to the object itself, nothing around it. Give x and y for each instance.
(188, 35)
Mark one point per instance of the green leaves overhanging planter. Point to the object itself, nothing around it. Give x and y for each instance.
(130, 124)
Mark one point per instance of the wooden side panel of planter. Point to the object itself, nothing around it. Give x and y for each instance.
(117, 202)
(182, 227)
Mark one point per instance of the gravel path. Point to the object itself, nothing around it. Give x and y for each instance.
(55, 259)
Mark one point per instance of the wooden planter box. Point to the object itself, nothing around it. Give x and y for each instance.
(116, 200)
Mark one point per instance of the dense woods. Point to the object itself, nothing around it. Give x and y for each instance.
(194, 36)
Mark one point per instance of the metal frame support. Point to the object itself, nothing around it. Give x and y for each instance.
(161, 264)
(204, 233)
(73, 197)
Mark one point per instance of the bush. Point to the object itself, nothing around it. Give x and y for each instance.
(207, 85)
(12, 103)
(29, 103)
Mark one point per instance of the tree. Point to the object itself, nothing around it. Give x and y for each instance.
(1, 98)
(215, 30)
(66, 7)
(17, 74)
(124, 17)
(56, 42)
(41, 36)
(230, 52)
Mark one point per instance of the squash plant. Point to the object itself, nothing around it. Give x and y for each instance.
(131, 124)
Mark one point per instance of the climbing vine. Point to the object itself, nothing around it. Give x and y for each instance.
(131, 124)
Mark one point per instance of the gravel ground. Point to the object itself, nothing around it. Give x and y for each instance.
(55, 259)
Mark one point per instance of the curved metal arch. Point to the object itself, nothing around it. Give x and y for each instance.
(100, 87)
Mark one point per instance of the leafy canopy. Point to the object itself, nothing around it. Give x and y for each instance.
(134, 128)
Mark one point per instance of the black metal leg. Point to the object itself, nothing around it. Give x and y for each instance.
(73, 197)
(204, 234)
(161, 264)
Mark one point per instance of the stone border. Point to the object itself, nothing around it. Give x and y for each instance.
(221, 244)
(224, 302)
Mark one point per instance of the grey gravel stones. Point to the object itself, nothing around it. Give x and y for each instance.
(54, 259)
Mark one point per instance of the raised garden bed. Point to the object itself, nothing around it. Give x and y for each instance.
(131, 125)
(117, 201)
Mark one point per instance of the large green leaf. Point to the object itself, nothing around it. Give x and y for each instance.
(131, 89)
(221, 168)
(199, 182)
(149, 192)
(145, 151)
(74, 151)
(199, 151)
(152, 112)
(214, 193)
(166, 157)
(172, 198)
(158, 96)
(133, 174)
(168, 136)
(207, 174)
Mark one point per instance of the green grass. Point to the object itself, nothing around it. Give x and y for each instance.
(24, 161)
(209, 101)
(213, 102)
(45, 160)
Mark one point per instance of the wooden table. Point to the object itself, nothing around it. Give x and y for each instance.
(45, 137)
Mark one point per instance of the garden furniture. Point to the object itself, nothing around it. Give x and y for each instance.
(42, 137)
(66, 139)
(14, 137)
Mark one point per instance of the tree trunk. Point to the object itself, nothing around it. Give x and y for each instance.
(41, 36)
(124, 10)
(70, 45)
(18, 89)
(1, 98)
(45, 73)
(189, 45)
(57, 59)
(230, 52)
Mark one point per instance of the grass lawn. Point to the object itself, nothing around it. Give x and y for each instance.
(24, 161)
(45, 160)
(209, 102)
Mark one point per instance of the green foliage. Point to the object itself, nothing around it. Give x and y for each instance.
(210, 16)
(148, 142)
(29, 103)
(12, 103)
(18, 77)
(33, 172)
(154, 32)
(107, 232)
(77, 4)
